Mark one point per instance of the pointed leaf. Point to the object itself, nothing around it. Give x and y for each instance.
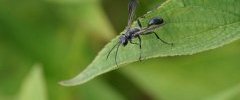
(192, 25)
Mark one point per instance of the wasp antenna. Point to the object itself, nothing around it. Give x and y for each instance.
(112, 50)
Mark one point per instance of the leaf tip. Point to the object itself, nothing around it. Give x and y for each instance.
(69, 83)
(65, 83)
(74, 81)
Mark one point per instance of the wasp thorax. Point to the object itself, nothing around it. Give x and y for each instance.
(131, 32)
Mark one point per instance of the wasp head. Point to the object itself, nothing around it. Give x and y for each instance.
(123, 40)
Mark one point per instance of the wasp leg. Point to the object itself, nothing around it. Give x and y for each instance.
(139, 23)
(162, 39)
(133, 42)
(140, 47)
(159, 38)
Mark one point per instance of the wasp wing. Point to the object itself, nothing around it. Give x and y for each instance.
(131, 12)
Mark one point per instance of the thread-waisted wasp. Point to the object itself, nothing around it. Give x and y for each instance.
(136, 32)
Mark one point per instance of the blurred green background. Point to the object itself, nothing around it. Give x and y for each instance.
(45, 41)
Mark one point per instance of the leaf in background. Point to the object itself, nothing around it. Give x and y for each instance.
(192, 25)
(89, 15)
(3, 97)
(99, 89)
(33, 87)
(229, 94)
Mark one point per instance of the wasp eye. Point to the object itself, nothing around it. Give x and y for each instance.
(155, 21)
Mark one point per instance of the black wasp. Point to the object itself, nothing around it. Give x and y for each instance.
(136, 32)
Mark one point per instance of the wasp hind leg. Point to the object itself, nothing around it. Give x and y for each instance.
(160, 38)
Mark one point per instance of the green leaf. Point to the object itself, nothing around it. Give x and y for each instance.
(192, 25)
(33, 87)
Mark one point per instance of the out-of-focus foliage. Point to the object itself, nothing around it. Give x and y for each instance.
(33, 87)
(65, 35)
